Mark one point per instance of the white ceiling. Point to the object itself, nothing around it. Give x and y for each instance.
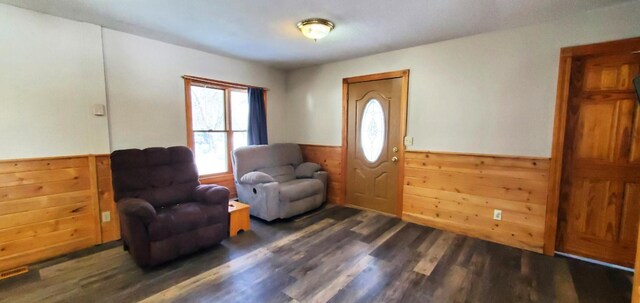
(264, 31)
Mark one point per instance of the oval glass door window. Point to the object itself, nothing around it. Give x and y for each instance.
(372, 130)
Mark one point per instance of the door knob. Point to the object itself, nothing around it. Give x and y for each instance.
(394, 159)
(395, 149)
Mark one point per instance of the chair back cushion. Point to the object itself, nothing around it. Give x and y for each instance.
(280, 174)
(264, 157)
(161, 176)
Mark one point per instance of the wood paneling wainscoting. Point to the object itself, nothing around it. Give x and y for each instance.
(459, 192)
(111, 229)
(51, 206)
(330, 158)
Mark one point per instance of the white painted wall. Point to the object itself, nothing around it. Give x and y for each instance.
(53, 70)
(51, 73)
(492, 93)
(146, 92)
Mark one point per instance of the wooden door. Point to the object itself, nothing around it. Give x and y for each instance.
(373, 143)
(600, 187)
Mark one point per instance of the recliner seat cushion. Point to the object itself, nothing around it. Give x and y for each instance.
(183, 218)
(300, 189)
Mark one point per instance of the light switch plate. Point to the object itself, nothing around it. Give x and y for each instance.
(106, 216)
(99, 110)
(408, 141)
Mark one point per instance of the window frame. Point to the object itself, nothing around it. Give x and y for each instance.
(227, 87)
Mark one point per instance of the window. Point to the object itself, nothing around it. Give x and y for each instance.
(372, 130)
(217, 120)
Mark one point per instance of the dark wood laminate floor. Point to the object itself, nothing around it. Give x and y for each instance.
(336, 254)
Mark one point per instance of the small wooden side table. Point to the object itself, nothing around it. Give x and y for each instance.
(238, 217)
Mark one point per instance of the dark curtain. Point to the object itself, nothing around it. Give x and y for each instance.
(257, 132)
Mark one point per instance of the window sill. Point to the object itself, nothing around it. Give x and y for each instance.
(216, 178)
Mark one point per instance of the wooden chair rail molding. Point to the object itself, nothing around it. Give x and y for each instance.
(51, 206)
(459, 192)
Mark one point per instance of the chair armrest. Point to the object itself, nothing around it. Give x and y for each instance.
(264, 199)
(137, 208)
(323, 176)
(256, 177)
(307, 169)
(212, 194)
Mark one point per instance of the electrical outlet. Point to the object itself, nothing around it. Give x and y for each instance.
(408, 141)
(497, 214)
(106, 216)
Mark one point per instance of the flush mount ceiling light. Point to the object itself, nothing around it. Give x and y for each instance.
(315, 28)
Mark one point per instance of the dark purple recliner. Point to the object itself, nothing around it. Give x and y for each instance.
(164, 211)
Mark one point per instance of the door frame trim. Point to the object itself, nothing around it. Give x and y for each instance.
(567, 55)
(404, 74)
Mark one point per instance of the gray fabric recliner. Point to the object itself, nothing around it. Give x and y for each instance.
(276, 183)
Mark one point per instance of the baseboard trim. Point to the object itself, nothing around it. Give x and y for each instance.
(369, 209)
(593, 261)
(13, 272)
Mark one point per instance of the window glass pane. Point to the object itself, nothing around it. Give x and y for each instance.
(239, 139)
(372, 130)
(207, 108)
(211, 152)
(239, 110)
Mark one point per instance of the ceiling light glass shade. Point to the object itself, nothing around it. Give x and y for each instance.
(315, 28)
